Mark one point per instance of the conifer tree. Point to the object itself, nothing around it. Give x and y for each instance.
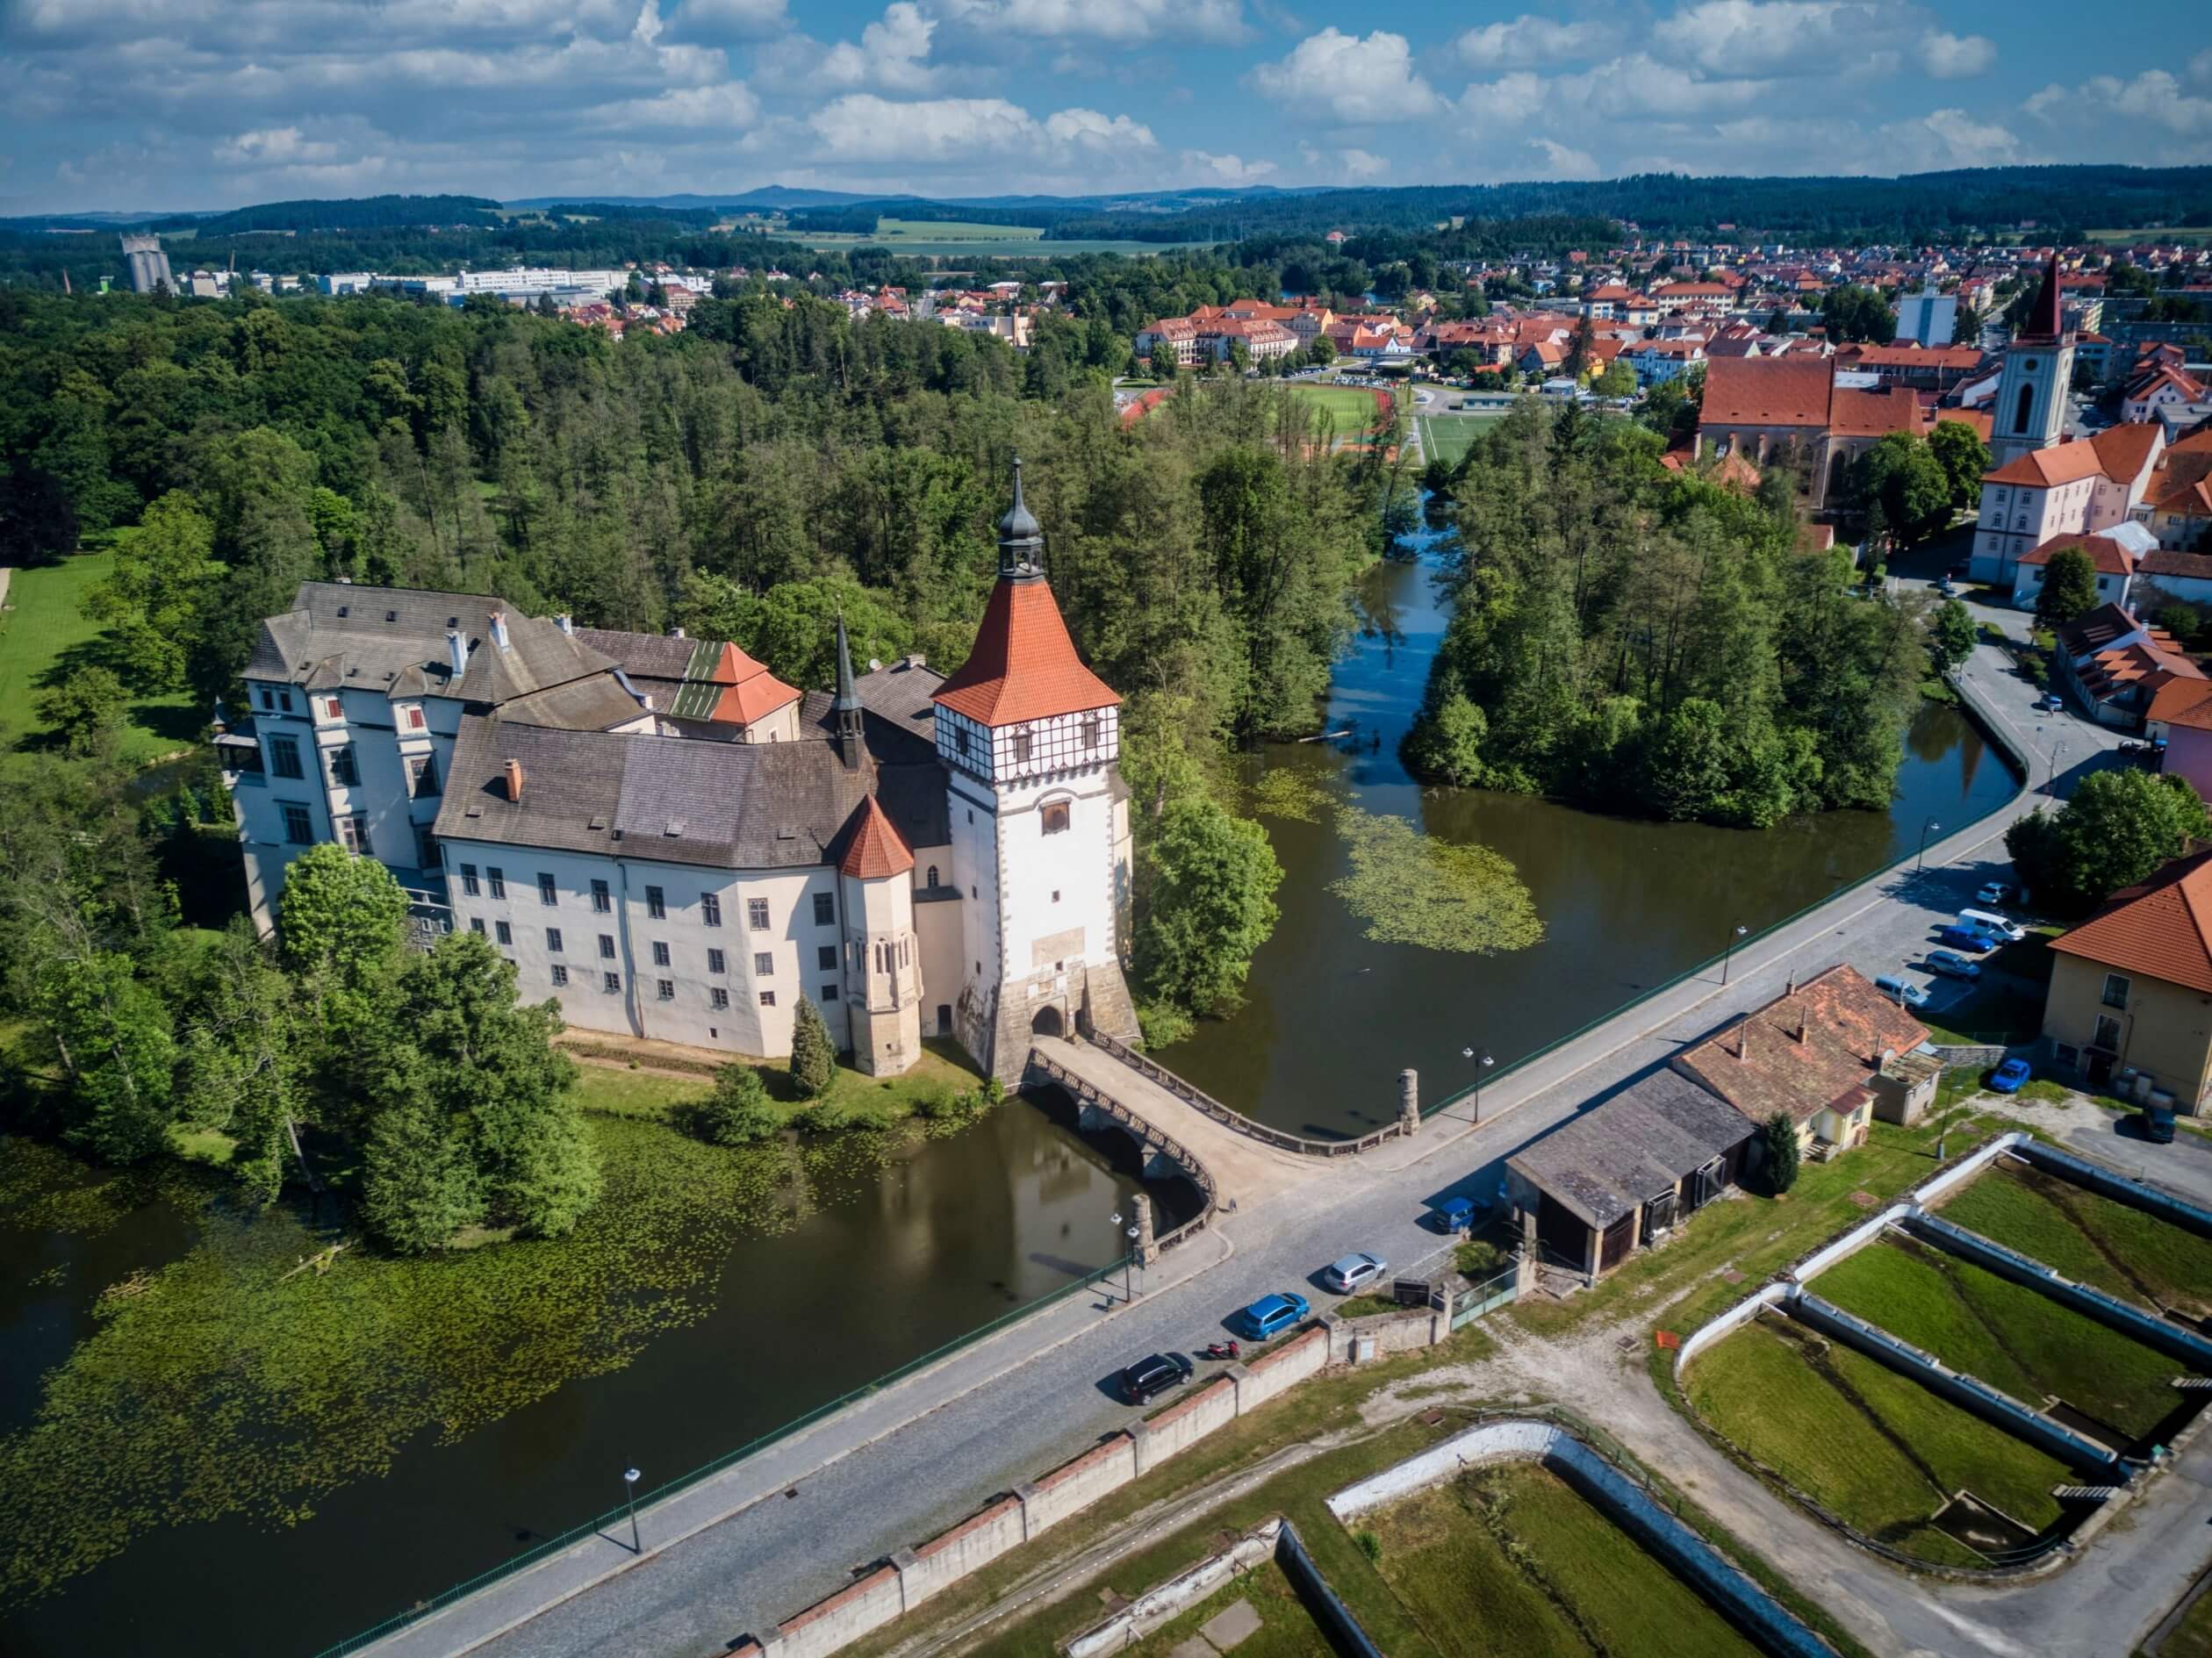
(814, 1057)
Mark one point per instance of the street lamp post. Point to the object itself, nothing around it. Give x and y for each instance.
(1128, 1293)
(630, 1495)
(1739, 931)
(1482, 1062)
(1920, 861)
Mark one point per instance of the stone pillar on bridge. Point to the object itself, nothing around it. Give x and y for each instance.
(1409, 1101)
(1147, 1250)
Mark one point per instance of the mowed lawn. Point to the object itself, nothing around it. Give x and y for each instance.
(1510, 1561)
(2004, 1333)
(1838, 1427)
(1287, 1629)
(2093, 1239)
(44, 635)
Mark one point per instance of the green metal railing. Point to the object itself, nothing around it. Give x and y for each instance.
(619, 1515)
(1989, 729)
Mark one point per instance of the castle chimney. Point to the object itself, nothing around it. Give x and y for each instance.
(677, 633)
(565, 623)
(499, 629)
(515, 782)
(1801, 1029)
(456, 652)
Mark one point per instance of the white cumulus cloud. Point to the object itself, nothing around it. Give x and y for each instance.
(1120, 20)
(1208, 169)
(1953, 57)
(2150, 104)
(891, 54)
(729, 105)
(1562, 162)
(1951, 137)
(1765, 37)
(863, 127)
(1358, 80)
(1528, 42)
(273, 147)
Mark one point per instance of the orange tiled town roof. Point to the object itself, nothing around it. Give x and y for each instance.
(1816, 1048)
(874, 848)
(2107, 555)
(2047, 469)
(1768, 391)
(2187, 702)
(2162, 929)
(1024, 665)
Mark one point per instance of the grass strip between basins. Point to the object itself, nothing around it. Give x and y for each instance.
(2094, 1239)
(1877, 1450)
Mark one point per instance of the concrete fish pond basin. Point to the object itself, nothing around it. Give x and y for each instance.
(1517, 1536)
(1980, 1527)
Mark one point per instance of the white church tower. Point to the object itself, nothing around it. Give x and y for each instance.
(2030, 410)
(1030, 738)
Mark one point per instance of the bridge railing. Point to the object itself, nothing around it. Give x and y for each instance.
(1156, 1073)
(1084, 1092)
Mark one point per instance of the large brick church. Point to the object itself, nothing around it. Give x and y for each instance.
(672, 843)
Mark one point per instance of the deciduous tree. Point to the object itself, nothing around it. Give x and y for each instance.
(2069, 587)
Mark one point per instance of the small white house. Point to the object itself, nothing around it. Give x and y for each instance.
(2117, 554)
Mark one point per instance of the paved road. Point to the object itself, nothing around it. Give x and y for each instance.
(1016, 1418)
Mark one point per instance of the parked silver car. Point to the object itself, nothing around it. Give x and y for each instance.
(1354, 1272)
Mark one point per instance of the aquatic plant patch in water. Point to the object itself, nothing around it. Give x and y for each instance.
(228, 1381)
(1413, 889)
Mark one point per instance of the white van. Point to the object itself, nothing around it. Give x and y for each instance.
(1990, 922)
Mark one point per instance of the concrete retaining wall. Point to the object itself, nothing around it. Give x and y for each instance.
(1742, 1313)
(1969, 1393)
(1186, 1422)
(1074, 1486)
(1858, 1239)
(1155, 1606)
(1390, 1332)
(2152, 1200)
(845, 1616)
(1285, 1367)
(1973, 1163)
(951, 1556)
(1344, 1630)
(1614, 1494)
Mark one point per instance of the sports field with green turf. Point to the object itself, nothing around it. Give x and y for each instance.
(1448, 437)
(1352, 407)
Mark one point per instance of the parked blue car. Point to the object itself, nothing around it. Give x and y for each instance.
(1271, 1314)
(2007, 1077)
(1970, 938)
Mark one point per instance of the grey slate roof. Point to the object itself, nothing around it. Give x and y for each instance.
(596, 703)
(1638, 1144)
(339, 635)
(719, 804)
(651, 656)
(900, 695)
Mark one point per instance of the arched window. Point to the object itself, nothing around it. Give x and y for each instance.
(2026, 407)
(933, 880)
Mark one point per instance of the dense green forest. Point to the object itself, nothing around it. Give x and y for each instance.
(1643, 641)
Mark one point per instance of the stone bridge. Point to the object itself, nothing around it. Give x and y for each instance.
(1232, 1160)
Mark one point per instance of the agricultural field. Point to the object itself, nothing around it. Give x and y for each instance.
(953, 237)
(1285, 1628)
(1510, 1560)
(2159, 233)
(2004, 1333)
(45, 635)
(1869, 1444)
(2092, 1239)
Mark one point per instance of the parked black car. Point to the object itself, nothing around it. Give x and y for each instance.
(2157, 1124)
(1148, 1378)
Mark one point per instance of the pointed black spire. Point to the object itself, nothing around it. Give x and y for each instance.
(1021, 537)
(848, 703)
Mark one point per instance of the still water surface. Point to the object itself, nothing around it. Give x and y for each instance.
(1332, 1017)
(890, 1263)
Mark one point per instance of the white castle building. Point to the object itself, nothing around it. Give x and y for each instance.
(672, 843)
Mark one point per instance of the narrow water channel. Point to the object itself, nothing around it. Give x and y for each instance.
(890, 1261)
(1330, 1017)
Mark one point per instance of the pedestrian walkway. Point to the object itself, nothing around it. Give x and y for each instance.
(1243, 1168)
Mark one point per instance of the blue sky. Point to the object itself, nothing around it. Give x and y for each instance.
(177, 103)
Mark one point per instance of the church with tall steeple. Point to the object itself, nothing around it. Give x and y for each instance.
(672, 843)
(2031, 409)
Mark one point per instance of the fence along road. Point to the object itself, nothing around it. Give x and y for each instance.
(934, 1448)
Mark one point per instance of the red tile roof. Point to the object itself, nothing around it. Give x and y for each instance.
(2046, 469)
(2127, 448)
(1768, 391)
(2162, 929)
(1856, 413)
(2107, 555)
(875, 848)
(2187, 702)
(1024, 665)
(1817, 1048)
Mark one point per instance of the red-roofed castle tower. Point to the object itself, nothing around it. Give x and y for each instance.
(1031, 739)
